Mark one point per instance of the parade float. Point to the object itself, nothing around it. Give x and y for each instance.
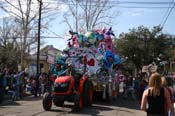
(89, 65)
(103, 63)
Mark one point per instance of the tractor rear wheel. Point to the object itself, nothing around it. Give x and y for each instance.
(87, 93)
(78, 102)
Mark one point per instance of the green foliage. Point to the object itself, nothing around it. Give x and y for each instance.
(9, 55)
(142, 46)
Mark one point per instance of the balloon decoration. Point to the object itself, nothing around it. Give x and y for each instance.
(74, 37)
(93, 43)
(91, 37)
(100, 38)
(101, 47)
(82, 39)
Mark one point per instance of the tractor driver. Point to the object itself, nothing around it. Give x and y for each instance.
(75, 70)
(58, 68)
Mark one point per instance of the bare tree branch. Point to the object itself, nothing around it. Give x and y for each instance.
(91, 13)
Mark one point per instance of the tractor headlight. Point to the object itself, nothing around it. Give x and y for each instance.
(61, 84)
(56, 84)
(104, 85)
(110, 80)
(64, 84)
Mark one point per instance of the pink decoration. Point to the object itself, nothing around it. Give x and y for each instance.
(75, 42)
(108, 43)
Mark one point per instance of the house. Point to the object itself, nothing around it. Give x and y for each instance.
(45, 59)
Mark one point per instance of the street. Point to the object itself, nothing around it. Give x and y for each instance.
(31, 106)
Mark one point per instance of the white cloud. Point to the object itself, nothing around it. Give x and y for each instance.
(136, 14)
(13, 6)
(52, 5)
(139, 12)
(4, 16)
(63, 8)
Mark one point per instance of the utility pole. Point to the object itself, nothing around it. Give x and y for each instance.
(38, 48)
(76, 15)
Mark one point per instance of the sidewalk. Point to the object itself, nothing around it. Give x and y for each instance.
(7, 97)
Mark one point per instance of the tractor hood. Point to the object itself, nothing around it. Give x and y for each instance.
(63, 79)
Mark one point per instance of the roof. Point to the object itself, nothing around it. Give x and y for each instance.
(44, 50)
(34, 57)
(43, 53)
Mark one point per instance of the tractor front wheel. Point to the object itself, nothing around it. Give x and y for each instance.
(47, 101)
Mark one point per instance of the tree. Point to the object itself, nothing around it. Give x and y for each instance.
(26, 17)
(25, 21)
(89, 14)
(9, 52)
(142, 46)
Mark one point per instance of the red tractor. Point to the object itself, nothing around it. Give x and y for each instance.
(71, 87)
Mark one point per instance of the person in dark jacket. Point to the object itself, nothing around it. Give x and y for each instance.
(2, 87)
(170, 90)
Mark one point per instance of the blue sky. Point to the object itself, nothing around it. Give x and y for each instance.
(131, 18)
(128, 19)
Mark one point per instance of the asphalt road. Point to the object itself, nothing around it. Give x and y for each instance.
(31, 106)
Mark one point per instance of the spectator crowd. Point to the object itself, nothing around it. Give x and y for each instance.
(17, 84)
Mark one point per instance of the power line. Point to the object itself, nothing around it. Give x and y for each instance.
(125, 4)
(40, 3)
(166, 12)
(173, 5)
(57, 36)
(136, 2)
(117, 2)
(152, 7)
(54, 37)
(132, 4)
(110, 2)
(128, 7)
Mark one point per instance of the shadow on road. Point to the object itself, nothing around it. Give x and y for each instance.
(119, 102)
(99, 106)
(32, 98)
(92, 111)
(9, 103)
(118, 105)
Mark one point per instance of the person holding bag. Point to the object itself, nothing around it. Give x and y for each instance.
(156, 98)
